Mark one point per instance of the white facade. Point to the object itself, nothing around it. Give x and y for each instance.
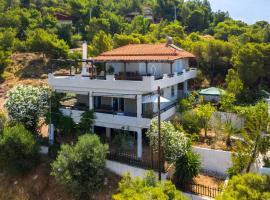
(118, 102)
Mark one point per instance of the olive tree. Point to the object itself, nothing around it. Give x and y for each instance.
(81, 167)
(204, 113)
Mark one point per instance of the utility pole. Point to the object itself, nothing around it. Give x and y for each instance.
(159, 138)
(174, 13)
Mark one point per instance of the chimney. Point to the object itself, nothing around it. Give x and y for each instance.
(84, 50)
(84, 57)
(169, 41)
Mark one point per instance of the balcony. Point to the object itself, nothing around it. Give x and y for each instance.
(140, 83)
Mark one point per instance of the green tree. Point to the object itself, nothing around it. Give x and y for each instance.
(147, 188)
(81, 167)
(3, 120)
(122, 39)
(19, 150)
(255, 137)
(140, 25)
(247, 186)
(101, 43)
(196, 20)
(204, 113)
(173, 141)
(41, 41)
(86, 122)
(234, 84)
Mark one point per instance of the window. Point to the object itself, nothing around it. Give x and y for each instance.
(172, 91)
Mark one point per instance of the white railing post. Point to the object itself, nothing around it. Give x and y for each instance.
(139, 143)
(139, 106)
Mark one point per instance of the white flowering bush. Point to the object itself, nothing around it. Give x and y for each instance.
(26, 104)
(173, 142)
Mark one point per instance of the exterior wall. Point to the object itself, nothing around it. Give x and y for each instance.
(216, 161)
(121, 169)
(148, 84)
(153, 68)
(118, 121)
(221, 117)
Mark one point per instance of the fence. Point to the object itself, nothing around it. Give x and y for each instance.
(203, 190)
(133, 160)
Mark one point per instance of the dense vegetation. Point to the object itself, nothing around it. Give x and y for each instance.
(219, 42)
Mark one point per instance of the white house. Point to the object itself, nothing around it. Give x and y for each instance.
(121, 86)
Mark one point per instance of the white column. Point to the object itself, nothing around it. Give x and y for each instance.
(108, 133)
(139, 143)
(268, 102)
(91, 100)
(139, 106)
(185, 87)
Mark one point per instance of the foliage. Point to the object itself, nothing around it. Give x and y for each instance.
(86, 122)
(19, 150)
(187, 103)
(41, 41)
(186, 168)
(147, 188)
(3, 120)
(81, 167)
(123, 141)
(101, 42)
(26, 104)
(247, 186)
(190, 122)
(204, 113)
(173, 141)
(227, 106)
(254, 137)
(234, 84)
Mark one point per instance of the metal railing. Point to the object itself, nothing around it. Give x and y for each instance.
(203, 190)
(133, 160)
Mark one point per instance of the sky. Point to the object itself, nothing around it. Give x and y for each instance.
(248, 11)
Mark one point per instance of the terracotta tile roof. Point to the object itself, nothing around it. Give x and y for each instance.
(144, 52)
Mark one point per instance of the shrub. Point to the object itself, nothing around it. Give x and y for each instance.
(190, 122)
(19, 150)
(186, 168)
(86, 122)
(147, 188)
(247, 186)
(3, 120)
(123, 141)
(81, 167)
(25, 104)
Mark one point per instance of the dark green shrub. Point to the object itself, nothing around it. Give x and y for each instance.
(190, 122)
(186, 168)
(86, 122)
(123, 141)
(19, 150)
(81, 167)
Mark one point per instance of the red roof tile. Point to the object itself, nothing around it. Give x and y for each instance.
(144, 52)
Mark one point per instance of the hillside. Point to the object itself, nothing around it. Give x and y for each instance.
(25, 68)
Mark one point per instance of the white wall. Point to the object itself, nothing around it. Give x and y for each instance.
(121, 169)
(222, 117)
(217, 161)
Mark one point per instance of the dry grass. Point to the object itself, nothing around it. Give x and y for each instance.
(38, 184)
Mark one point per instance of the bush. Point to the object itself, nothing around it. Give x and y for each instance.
(247, 186)
(147, 189)
(26, 104)
(3, 120)
(19, 150)
(81, 167)
(186, 168)
(190, 122)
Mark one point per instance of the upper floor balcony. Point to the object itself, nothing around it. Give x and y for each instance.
(125, 81)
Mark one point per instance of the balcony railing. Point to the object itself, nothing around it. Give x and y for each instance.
(109, 110)
(154, 114)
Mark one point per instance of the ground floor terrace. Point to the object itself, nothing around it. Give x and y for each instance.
(130, 147)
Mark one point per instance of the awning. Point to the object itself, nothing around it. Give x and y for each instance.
(154, 99)
(212, 91)
(103, 94)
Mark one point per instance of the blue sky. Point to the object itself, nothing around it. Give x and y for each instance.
(248, 11)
